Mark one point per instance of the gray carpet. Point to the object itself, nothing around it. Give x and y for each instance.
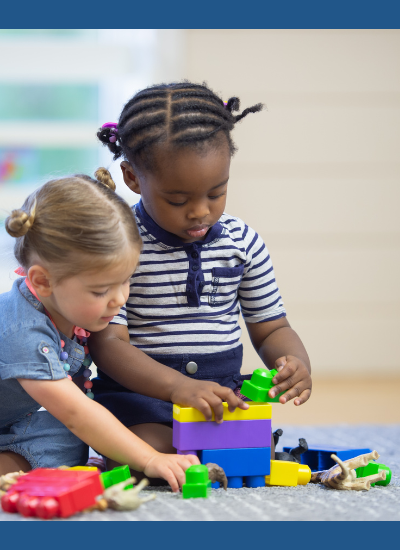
(309, 502)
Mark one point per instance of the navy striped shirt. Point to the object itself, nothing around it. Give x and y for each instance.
(186, 297)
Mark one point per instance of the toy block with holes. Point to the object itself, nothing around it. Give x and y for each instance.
(319, 458)
(288, 474)
(250, 465)
(116, 475)
(48, 493)
(374, 468)
(241, 445)
(198, 484)
(258, 387)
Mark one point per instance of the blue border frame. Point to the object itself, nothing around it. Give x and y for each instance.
(207, 14)
(303, 535)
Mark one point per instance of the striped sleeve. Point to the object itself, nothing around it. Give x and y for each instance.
(259, 295)
(120, 318)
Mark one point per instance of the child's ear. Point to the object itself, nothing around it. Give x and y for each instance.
(41, 281)
(130, 177)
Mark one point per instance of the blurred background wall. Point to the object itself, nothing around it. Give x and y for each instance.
(317, 172)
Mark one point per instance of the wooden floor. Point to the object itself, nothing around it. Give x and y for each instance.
(336, 401)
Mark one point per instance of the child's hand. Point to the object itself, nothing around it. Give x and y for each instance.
(170, 467)
(294, 376)
(204, 396)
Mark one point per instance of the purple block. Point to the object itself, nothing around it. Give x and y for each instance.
(232, 434)
(187, 453)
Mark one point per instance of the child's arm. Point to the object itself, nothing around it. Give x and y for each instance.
(97, 427)
(113, 353)
(280, 347)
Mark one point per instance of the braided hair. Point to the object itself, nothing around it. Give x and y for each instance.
(180, 114)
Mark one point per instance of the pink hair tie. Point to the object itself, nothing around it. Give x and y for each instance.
(20, 271)
(114, 130)
(110, 125)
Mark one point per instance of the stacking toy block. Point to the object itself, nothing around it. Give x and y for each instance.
(256, 411)
(239, 462)
(248, 465)
(84, 468)
(318, 458)
(198, 484)
(117, 475)
(374, 468)
(48, 493)
(258, 387)
(228, 435)
(288, 474)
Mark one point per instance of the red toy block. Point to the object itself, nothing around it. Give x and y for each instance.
(48, 493)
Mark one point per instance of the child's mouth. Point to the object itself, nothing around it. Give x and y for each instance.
(197, 231)
(107, 319)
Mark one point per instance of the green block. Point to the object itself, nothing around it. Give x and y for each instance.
(198, 484)
(258, 387)
(374, 468)
(121, 473)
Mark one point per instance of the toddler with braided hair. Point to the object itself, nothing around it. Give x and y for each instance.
(77, 244)
(199, 268)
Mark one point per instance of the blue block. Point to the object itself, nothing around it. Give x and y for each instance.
(318, 458)
(239, 462)
(255, 481)
(235, 482)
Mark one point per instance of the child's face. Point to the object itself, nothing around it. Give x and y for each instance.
(187, 194)
(92, 298)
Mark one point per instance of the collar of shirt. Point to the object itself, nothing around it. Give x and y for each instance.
(169, 238)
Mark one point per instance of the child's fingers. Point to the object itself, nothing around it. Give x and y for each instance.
(171, 478)
(226, 394)
(288, 370)
(215, 400)
(185, 461)
(204, 407)
(193, 459)
(300, 392)
(281, 362)
(304, 396)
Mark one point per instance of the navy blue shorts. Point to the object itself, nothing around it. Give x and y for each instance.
(133, 408)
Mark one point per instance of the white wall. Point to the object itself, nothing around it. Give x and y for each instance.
(317, 175)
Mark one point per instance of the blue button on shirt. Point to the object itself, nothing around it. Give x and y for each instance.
(30, 347)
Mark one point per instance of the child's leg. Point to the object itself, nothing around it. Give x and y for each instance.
(159, 436)
(13, 462)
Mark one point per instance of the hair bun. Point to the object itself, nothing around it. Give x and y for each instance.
(104, 135)
(233, 104)
(103, 176)
(19, 222)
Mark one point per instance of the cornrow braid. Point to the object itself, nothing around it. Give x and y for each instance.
(180, 114)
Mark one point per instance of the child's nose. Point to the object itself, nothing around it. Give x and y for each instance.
(199, 210)
(118, 299)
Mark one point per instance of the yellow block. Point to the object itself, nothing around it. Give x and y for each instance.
(84, 468)
(288, 474)
(256, 411)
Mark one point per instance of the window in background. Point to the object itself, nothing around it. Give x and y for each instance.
(56, 88)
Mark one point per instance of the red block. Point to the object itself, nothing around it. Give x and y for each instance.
(48, 493)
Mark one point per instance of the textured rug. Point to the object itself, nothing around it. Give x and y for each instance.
(309, 502)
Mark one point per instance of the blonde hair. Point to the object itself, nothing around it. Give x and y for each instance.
(73, 224)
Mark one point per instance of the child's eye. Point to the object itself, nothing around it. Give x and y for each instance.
(176, 203)
(217, 196)
(100, 294)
